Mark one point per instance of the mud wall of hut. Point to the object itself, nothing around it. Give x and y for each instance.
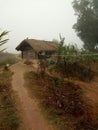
(29, 54)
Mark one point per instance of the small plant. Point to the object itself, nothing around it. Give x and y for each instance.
(70, 82)
(58, 82)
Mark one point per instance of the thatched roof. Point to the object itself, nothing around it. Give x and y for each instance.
(37, 45)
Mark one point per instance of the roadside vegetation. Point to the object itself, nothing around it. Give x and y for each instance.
(57, 87)
(63, 102)
(10, 119)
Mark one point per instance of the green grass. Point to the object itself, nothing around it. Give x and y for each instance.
(9, 61)
(7, 58)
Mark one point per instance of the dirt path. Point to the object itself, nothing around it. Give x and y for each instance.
(91, 90)
(28, 107)
(91, 93)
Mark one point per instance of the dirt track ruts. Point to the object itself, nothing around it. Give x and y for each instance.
(32, 118)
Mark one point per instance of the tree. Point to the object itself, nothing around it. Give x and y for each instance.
(2, 40)
(87, 22)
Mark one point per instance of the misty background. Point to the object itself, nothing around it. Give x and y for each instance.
(37, 19)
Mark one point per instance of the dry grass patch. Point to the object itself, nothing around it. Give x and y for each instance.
(62, 102)
(8, 111)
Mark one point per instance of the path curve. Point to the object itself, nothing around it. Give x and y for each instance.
(30, 112)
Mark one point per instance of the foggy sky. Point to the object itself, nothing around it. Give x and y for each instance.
(37, 19)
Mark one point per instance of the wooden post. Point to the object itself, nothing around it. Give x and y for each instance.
(22, 54)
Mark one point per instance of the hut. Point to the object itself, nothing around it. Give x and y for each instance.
(34, 49)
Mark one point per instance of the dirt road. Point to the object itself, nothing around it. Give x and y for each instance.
(28, 107)
(90, 90)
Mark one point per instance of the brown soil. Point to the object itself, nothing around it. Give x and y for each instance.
(91, 94)
(32, 118)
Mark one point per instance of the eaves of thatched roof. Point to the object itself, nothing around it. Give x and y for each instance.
(38, 45)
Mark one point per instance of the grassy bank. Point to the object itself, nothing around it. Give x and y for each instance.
(61, 102)
(8, 112)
